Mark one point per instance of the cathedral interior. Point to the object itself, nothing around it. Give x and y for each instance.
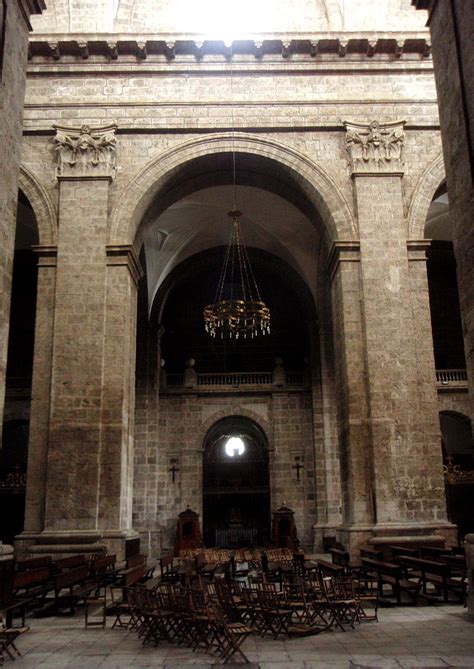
(331, 133)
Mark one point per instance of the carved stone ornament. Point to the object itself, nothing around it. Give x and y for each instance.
(85, 151)
(376, 147)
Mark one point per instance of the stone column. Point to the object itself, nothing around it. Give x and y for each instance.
(451, 24)
(90, 447)
(118, 396)
(41, 391)
(408, 481)
(14, 27)
(470, 574)
(354, 433)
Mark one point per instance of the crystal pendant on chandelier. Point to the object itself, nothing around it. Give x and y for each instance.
(242, 314)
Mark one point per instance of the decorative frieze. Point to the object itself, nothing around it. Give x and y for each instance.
(375, 148)
(85, 152)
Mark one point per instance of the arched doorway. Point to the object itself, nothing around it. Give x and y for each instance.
(236, 490)
(458, 454)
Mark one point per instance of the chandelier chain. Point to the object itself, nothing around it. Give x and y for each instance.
(245, 314)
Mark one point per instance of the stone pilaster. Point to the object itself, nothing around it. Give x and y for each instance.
(118, 395)
(41, 390)
(451, 24)
(408, 484)
(325, 435)
(14, 28)
(353, 405)
(87, 497)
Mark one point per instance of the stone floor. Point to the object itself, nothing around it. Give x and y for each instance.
(428, 637)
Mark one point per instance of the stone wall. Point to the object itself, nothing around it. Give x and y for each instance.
(368, 431)
(224, 18)
(183, 420)
(451, 26)
(12, 91)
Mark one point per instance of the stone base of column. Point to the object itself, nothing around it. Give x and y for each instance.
(323, 535)
(62, 543)
(355, 537)
(470, 574)
(151, 543)
(405, 533)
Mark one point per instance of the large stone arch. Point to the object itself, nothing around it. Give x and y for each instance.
(227, 412)
(42, 205)
(422, 197)
(144, 186)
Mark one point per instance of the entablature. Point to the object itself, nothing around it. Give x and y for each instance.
(293, 46)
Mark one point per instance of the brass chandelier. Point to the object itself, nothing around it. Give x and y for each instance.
(242, 312)
(238, 310)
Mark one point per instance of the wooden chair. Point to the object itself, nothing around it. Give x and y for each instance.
(276, 614)
(340, 605)
(227, 637)
(8, 636)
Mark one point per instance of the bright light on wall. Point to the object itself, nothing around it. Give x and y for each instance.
(234, 446)
(225, 19)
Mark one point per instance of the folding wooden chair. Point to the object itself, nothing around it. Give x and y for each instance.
(339, 608)
(276, 614)
(227, 637)
(8, 636)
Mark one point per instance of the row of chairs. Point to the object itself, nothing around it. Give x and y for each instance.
(217, 616)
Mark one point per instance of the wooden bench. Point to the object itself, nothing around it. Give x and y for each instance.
(74, 582)
(371, 554)
(438, 574)
(330, 568)
(340, 557)
(34, 563)
(119, 593)
(433, 553)
(72, 562)
(32, 583)
(169, 572)
(398, 551)
(392, 575)
(103, 570)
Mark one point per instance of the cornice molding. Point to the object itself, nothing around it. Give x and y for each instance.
(125, 256)
(315, 46)
(46, 256)
(29, 7)
(342, 251)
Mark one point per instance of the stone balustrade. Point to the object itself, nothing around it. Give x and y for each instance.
(230, 380)
(453, 378)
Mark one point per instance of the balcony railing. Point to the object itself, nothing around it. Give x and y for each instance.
(234, 380)
(452, 378)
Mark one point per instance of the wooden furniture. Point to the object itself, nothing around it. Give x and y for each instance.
(438, 574)
(284, 530)
(392, 575)
(188, 532)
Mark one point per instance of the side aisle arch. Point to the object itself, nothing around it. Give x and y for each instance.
(314, 182)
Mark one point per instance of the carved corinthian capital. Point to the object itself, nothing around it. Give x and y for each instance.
(375, 147)
(85, 152)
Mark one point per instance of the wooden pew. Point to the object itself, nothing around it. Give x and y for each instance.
(74, 582)
(34, 563)
(32, 583)
(438, 574)
(169, 572)
(330, 568)
(433, 553)
(340, 557)
(398, 551)
(392, 575)
(371, 554)
(102, 569)
(119, 593)
(72, 562)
